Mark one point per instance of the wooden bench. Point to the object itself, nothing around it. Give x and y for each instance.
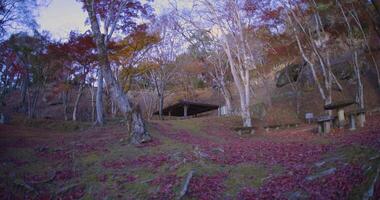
(245, 130)
(360, 115)
(324, 123)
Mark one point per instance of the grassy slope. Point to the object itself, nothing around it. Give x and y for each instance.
(98, 162)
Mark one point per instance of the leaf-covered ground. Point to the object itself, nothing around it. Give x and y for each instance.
(97, 163)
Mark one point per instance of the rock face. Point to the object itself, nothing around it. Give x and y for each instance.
(288, 75)
(343, 71)
(341, 68)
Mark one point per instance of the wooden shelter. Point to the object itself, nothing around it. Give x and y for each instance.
(186, 108)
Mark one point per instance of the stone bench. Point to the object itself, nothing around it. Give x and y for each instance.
(245, 130)
(324, 123)
(360, 115)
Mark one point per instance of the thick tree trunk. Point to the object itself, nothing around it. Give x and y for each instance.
(80, 91)
(99, 100)
(137, 127)
(227, 101)
(242, 85)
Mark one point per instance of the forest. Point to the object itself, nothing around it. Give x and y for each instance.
(196, 99)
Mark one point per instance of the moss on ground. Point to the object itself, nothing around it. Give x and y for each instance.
(247, 175)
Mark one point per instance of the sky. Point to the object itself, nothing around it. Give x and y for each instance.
(62, 16)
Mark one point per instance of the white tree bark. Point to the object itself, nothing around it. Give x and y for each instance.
(76, 103)
(137, 130)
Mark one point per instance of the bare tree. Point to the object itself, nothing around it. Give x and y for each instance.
(230, 24)
(163, 56)
(219, 70)
(314, 43)
(112, 18)
(16, 13)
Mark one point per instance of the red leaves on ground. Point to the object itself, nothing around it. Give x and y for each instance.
(55, 155)
(207, 187)
(334, 186)
(294, 151)
(64, 175)
(102, 178)
(153, 161)
(129, 178)
(115, 164)
(17, 162)
(75, 193)
(152, 143)
(166, 185)
(93, 146)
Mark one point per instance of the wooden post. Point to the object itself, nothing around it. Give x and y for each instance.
(185, 110)
(341, 117)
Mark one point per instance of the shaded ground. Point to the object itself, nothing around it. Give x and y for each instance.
(97, 163)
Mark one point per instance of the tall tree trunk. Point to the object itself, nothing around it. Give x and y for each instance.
(24, 89)
(65, 99)
(113, 109)
(32, 99)
(80, 91)
(241, 85)
(161, 105)
(247, 113)
(359, 93)
(227, 96)
(136, 126)
(92, 90)
(99, 99)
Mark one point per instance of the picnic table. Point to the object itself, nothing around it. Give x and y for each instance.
(339, 106)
